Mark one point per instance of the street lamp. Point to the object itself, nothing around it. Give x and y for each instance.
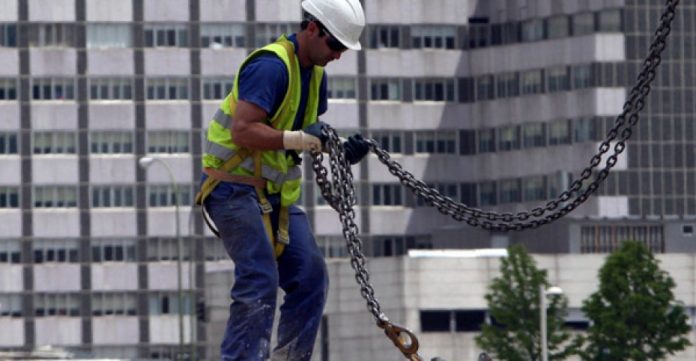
(144, 163)
(543, 292)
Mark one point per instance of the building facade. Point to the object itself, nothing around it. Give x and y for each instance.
(497, 104)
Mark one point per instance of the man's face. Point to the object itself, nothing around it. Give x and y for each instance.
(325, 48)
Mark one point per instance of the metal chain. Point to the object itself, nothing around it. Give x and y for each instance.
(580, 189)
(339, 191)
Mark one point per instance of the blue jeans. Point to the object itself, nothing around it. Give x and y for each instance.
(300, 271)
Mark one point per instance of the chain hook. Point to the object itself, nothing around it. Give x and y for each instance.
(405, 340)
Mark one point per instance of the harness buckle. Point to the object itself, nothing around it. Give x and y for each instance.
(266, 206)
(283, 236)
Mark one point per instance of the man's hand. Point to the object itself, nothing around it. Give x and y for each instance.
(311, 138)
(356, 147)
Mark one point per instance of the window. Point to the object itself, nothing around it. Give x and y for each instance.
(214, 249)
(166, 249)
(558, 27)
(507, 85)
(486, 140)
(479, 35)
(55, 34)
(167, 303)
(532, 82)
(8, 89)
(55, 197)
(557, 79)
(534, 135)
(435, 321)
(10, 305)
(585, 129)
(113, 250)
(331, 246)
(437, 37)
(223, 36)
(167, 88)
(387, 195)
(534, 188)
(9, 197)
(56, 251)
(385, 36)
(608, 238)
(108, 304)
(488, 195)
(532, 30)
(484, 87)
(110, 89)
(268, 33)
(434, 89)
(342, 88)
(112, 196)
(163, 196)
(166, 35)
(610, 21)
(111, 35)
(469, 320)
(168, 141)
(582, 76)
(436, 142)
(111, 142)
(389, 140)
(559, 132)
(385, 89)
(8, 35)
(53, 89)
(509, 138)
(583, 24)
(217, 88)
(510, 191)
(10, 252)
(8, 143)
(54, 143)
(56, 304)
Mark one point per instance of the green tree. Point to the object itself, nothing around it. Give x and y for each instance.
(633, 315)
(513, 303)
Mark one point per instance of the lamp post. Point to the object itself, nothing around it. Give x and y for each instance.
(144, 163)
(543, 292)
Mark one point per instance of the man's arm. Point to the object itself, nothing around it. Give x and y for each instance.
(250, 131)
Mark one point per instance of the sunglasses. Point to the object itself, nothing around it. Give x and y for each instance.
(331, 41)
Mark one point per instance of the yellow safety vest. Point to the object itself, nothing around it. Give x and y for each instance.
(282, 175)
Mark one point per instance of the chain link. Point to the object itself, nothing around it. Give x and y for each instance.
(339, 191)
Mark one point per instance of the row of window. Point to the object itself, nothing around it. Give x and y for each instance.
(479, 33)
(472, 321)
(106, 142)
(486, 193)
(110, 250)
(374, 246)
(466, 89)
(102, 304)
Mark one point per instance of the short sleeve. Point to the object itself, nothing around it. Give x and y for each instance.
(263, 82)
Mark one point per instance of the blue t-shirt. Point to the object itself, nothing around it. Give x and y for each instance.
(264, 81)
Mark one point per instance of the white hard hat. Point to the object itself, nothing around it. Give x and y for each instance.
(344, 19)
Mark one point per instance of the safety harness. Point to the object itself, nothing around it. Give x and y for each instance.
(258, 181)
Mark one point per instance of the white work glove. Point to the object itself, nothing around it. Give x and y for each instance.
(299, 140)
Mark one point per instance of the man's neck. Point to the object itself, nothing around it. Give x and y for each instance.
(302, 51)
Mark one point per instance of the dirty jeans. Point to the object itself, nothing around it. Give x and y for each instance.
(300, 271)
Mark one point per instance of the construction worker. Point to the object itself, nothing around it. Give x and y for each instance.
(252, 180)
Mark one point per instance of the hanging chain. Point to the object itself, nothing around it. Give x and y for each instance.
(339, 191)
(580, 189)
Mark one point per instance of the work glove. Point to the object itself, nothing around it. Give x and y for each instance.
(310, 138)
(355, 148)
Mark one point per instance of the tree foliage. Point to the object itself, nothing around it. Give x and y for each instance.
(513, 303)
(633, 315)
